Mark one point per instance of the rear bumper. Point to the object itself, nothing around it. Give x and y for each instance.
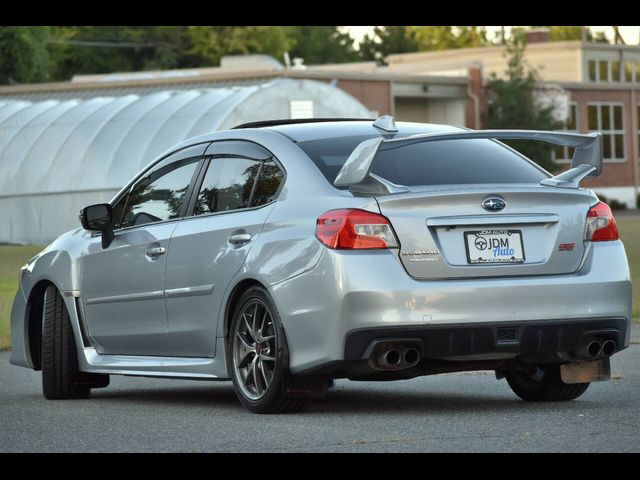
(534, 339)
(350, 291)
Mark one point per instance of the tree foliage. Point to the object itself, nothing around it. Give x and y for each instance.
(89, 49)
(400, 39)
(209, 44)
(322, 45)
(446, 37)
(75, 50)
(387, 40)
(513, 105)
(23, 54)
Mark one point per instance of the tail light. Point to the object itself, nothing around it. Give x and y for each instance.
(350, 228)
(601, 226)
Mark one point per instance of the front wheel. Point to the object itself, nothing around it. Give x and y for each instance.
(543, 384)
(60, 376)
(258, 356)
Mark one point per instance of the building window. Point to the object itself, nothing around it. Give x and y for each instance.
(565, 154)
(608, 118)
(628, 72)
(615, 71)
(603, 71)
(592, 71)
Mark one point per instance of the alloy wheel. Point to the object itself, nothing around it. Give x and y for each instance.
(254, 349)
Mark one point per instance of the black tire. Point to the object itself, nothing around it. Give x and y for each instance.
(280, 395)
(543, 384)
(60, 376)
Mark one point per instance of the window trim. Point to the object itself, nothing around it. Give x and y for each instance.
(183, 151)
(182, 154)
(623, 131)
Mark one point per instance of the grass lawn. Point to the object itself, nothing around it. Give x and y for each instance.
(13, 257)
(629, 229)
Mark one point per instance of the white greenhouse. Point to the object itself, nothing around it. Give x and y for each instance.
(60, 151)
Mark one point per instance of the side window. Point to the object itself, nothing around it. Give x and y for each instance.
(268, 184)
(227, 185)
(160, 195)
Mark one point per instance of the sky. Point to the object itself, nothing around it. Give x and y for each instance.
(629, 33)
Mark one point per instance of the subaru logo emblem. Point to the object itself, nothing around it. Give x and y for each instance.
(494, 204)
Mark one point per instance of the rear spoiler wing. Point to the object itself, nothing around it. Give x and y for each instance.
(587, 158)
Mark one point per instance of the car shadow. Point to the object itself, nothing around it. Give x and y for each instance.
(206, 394)
(343, 400)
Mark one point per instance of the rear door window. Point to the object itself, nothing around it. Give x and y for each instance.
(234, 183)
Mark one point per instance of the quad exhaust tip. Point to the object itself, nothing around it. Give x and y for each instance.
(594, 349)
(394, 356)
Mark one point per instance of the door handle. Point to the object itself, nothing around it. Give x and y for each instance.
(239, 239)
(155, 252)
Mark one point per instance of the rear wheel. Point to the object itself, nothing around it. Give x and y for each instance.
(258, 356)
(60, 376)
(543, 384)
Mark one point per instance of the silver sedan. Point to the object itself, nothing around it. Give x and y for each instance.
(283, 255)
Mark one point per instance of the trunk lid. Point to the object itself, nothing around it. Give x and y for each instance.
(444, 232)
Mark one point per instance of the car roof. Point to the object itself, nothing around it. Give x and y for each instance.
(318, 129)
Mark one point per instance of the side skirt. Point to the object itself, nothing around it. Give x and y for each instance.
(151, 366)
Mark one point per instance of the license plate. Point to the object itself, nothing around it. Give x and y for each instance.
(494, 246)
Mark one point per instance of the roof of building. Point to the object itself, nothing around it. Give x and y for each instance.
(67, 142)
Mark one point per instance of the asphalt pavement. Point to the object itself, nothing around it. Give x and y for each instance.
(461, 412)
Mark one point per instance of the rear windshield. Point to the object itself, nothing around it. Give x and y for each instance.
(442, 162)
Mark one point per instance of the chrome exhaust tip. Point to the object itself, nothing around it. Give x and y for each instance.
(394, 355)
(609, 348)
(411, 356)
(589, 350)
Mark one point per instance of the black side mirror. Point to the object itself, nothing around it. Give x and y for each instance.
(98, 218)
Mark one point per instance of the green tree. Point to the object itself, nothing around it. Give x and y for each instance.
(565, 33)
(513, 105)
(23, 54)
(321, 44)
(445, 37)
(209, 44)
(467, 37)
(387, 40)
(89, 49)
(434, 37)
